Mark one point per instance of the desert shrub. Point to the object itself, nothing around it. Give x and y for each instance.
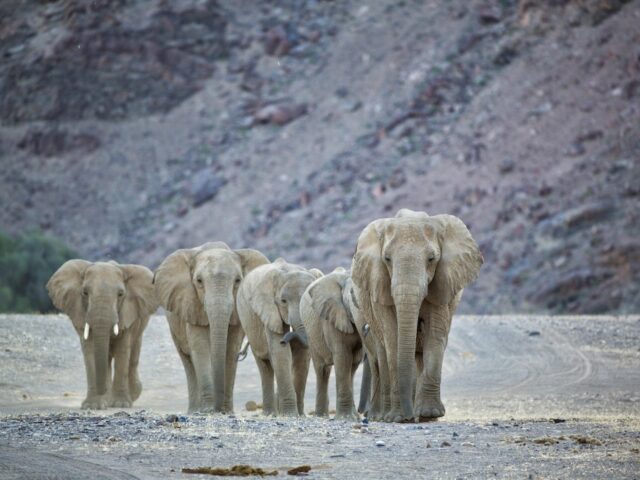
(26, 263)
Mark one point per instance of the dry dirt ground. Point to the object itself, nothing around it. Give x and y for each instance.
(526, 397)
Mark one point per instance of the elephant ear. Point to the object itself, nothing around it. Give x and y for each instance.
(326, 301)
(260, 291)
(65, 290)
(316, 272)
(460, 260)
(250, 259)
(368, 270)
(140, 299)
(175, 290)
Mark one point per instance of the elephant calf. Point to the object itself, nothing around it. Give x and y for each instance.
(109, 305)
(198, 287)
(268, 305)
(333, 340)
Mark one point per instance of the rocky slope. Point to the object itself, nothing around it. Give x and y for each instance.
(135, 127)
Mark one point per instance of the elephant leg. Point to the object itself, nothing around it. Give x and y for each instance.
(281, 359)
(345, 408)
(120, 397)
(92, 400)
(268, 395)
(419, 368)
(375, 407)
(234, 344)
(429, 403)
(135, 386)
(384, 381)
(300, 373)
(365, 387)
(192, 382)
(198, 339)
(322, 388)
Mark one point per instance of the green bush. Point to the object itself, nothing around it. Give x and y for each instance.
(26, 263)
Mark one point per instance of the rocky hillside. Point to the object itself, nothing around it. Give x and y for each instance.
(130, 128)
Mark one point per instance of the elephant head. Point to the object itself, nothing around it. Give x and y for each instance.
(199, 285)
(277, 302)
(102, 299)
(412, 258)
(330, 300)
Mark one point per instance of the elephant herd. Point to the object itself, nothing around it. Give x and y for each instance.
(392, 311)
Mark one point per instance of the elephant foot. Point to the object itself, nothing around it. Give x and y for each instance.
(94, 403)
(135, 388)
(120, 401)
(351, 416)
(429, 409)
(397, 416)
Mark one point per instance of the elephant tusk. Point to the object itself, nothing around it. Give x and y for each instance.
(86, 331)
(365, 330)
(115, 330)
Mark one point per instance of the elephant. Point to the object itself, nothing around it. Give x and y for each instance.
(411, 270)
(109, 305)
(333, 341)
(268, 306)
(197, 287)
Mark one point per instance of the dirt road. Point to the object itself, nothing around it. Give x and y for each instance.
(526, 397)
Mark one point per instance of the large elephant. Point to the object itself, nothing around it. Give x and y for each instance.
(268, 305)
(109, 305)
(333, 340)
(412, 269)
(198, 289)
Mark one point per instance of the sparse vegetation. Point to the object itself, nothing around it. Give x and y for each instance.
(26, 263)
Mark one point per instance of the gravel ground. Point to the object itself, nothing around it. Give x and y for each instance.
(526, 397)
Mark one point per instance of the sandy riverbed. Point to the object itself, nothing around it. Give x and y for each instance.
(526, 397)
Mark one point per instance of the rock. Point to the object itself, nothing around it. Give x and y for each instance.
(206, 186)
(49, 143)
(506, 166)
(534, 333)
(445, 444)
(280, 114)
(251, 406)
(489, 13)
(278, 41)
(380, 443)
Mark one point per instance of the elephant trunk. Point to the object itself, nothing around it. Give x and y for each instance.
(299, 333)
(407, 310)
(219, 311)
(101, 336)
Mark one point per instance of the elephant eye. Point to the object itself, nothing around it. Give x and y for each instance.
(431, 259)
(199, 280)
(238, 280)
(85, 292)
(387, 258)
(283, 300)
(120, 293)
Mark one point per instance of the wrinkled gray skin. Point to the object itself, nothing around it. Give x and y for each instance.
(100, 298)
(198, 289)
(333, 341)
(410, 272)
(268, 307)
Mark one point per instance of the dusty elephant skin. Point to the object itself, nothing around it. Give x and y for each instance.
(333, 340)
(268, 305)
(109, 305)
(198, 289)
(409, 272)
